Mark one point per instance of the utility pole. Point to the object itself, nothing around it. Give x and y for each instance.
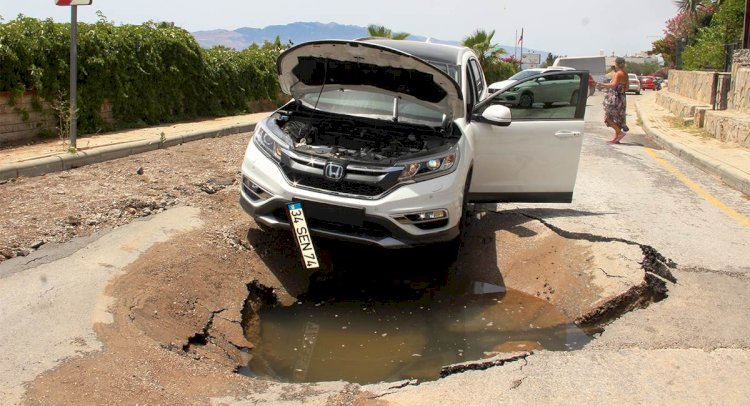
(73, 76)
(73, 4)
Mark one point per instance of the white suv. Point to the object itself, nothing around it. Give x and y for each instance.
(386, 142)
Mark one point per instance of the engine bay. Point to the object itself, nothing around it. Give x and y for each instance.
(333, 136)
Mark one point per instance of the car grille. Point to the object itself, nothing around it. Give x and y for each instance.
(358, 181)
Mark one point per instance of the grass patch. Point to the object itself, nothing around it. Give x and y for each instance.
(678, 124)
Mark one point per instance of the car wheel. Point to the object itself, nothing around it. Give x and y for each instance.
(526, 100)
(574, 98)
(447, 252)
(638, 92)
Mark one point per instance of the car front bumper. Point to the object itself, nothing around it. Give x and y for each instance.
(265, 192)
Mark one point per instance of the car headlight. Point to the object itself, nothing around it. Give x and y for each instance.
(430, 167)
(267, 143)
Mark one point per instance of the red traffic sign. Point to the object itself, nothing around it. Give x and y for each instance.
(73, 2)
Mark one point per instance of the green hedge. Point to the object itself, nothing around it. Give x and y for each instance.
(150, 73)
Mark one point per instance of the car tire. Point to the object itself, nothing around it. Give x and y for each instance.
(526, 100)
(447, 252)
(638, 92)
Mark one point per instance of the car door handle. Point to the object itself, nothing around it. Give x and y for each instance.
(567, 134)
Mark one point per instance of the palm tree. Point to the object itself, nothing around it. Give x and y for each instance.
(383, 32)
(481, 42)
(691, 6)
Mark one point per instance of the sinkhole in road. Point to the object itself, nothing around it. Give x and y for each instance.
(372, 341)
(381, 320)
(518, 285)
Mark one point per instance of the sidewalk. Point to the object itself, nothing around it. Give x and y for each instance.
(38, 159)
(730, 162)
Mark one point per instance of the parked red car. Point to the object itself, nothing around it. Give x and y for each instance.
(647, 82)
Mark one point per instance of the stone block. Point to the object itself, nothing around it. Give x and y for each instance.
(699, 117)
(729, 126)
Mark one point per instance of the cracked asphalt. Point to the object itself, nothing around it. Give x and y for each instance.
(150, 338)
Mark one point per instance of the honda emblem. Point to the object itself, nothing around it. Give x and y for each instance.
(334, 171)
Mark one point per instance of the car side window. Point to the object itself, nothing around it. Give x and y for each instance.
(551, 97)
(471, 83)
(477, 72)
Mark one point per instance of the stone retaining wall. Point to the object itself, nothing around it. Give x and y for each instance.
(678, 105)
(23, 121)
(693, 85)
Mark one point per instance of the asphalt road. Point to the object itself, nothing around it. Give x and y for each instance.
(690, 348)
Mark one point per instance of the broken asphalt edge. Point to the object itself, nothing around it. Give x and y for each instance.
(730, 175)
(65, 161)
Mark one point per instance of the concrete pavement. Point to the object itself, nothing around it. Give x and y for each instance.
(40, 158)
(729, 162)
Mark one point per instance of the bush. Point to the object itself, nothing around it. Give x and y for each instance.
(725, 29)
(150, 73)
(499, 70)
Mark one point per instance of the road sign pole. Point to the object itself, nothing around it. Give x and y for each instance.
(73, 75)
(746, 30)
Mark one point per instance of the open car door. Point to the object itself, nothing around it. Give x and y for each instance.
(527, 140)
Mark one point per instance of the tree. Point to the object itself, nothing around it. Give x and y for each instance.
(692, 6)
(383, 32)
(709, 50)
(688, 6)
(481, 42)
(681, 31)
(550, 60)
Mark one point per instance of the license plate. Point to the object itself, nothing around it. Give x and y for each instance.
(302, 235)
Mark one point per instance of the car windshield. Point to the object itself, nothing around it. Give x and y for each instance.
(364, 103)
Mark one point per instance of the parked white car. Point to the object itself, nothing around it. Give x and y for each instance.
(524, 74)
(386, 142)
(634, 85)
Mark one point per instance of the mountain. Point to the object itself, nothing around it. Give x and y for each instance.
(300, 32)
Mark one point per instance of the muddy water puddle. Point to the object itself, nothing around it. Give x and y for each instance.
(426, 327)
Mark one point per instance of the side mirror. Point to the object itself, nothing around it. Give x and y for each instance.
(497, 114)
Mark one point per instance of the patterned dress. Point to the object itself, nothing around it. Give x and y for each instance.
(614, 106)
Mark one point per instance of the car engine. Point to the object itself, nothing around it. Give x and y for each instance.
(359, 139)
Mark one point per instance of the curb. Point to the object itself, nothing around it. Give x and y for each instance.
(728, 174)
(65, 161)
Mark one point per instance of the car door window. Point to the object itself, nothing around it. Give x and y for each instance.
(477, 73)
(473, 94)
(554, 96)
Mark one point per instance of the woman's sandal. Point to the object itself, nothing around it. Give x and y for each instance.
(617, 138)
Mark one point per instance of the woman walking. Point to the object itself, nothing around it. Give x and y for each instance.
(614, 101)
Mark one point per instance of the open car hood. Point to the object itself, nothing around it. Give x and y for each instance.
(309, 67)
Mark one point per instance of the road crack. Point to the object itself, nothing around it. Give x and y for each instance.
(480, 365)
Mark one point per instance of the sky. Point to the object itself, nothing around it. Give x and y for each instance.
(563, 27)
